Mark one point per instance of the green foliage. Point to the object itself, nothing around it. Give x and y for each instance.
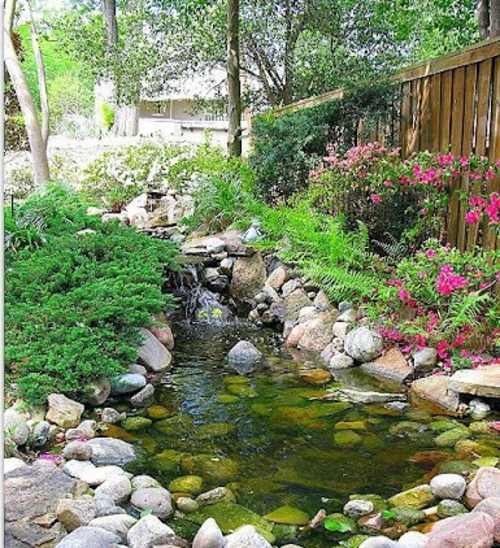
(287, 147)
(22, 231)
(73, 305)
(108, 115)
(331, 524)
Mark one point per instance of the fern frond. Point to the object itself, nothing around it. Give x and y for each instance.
(464, 310)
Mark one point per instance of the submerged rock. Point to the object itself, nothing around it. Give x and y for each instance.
(288, 515)
(244, 357)
(448, 508)
(186, 484)
(219, 494)
(133, 424)
(213, 467)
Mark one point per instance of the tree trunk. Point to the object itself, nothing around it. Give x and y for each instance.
(494, 18)
(483, 18)
(42, 82)
(126, 122)
(37, 145)
(109, 14)
(233, 78)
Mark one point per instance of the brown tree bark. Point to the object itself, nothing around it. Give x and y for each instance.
(37, 144)
(108, 8)
(483, 18)
(233, 78)
(494, 18)
(42, 81)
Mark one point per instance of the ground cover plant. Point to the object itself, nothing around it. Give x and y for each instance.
(75, 300)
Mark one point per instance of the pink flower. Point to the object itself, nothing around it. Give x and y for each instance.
(490, 175)
(431, 252)
(422, 274)
(388, 182)
(424, 211)
(472, 217)
(50, 457)
(442, 349)
(464, 161)
(375, 198)
(403, 294)
(447, 282)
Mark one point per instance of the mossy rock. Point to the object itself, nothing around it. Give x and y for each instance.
(486, 461)
(230, 516)
(175, 426)
(167, 461)
(417, 498)
(466, 449)
(379, 503)
(115, 431)
(184, 528)
(450, 508)
(212, 467)
(157, 412)
(261, 409)
(450, 437)
(227, 399)
(215, 430)
(186, 484)
(443, 425)
(347, 439)
(407, 429)
(285, 533)
(356, 541)
(350, 425)
(408, 516)
(288, 515)
(455, 467)
(418, 415)
(480, 427)
(372, 443)
(134, 424)
(236, 379)
(242, 390)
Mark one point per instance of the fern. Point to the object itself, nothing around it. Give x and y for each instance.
(464, 310)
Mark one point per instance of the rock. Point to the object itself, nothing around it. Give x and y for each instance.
(478, 409)
(41, 433)
(96, 211)
(32, 493)
(164, 335)
(118, 524)
(86, 537)
(15, 427)
(219, 494)
(473, 530)
(137, 369)
(270, 294)
(295, 335)
(347, 439)
(115, 489)
(111, 451)
(111, 416)
(126, 383)
(209, 535)
(98, 391)
(186, 484)
(11, 464)
(328, 353)
(484, 382)
(407, 429)
(378, 542)
(244, 357)
(153, 354)
(79, 434)
(143, 396)
(344, 305)
(212, 467)
(143, 481)
(105, 507)
(413, 539)
(340, 361)
(246, 537)
(226, 266)
(77, 450)
(149, 532)
(294, 303)
(340, 330)
(186, 505)
(363, 344)
(288, 515)
(321, 301)
(317, 334)
(358, 508)
(425, 359)
(203, 246)
(358, 396)
(433, 393)
(74, 513)
(63, 411)
(409, 517)
(485, 484)
(135, 424)
(416, 498)
(391, 365)
(451, 437)
(277, 278)
(230, 517)
(249, 275)
(157, 499)
(348, 316)
(491, 506)
(448, 486)
(448, 508)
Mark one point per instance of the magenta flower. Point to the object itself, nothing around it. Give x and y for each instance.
(375, 198)
(447, 281)
(431, 253)
(472, 217)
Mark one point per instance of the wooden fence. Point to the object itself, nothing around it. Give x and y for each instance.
(448, 104)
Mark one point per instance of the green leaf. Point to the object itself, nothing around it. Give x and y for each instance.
(331, 524)
(146, 512)
(388, 514)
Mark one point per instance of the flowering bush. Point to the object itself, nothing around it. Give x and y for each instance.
(444, 298)
(410, 198)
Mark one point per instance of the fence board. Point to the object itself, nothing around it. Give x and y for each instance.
(435, 111)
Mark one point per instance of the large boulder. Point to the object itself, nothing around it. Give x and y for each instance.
(87, 537)
(483, 382)
(164, 335)
(486, 483)
(473, 530)
(363, 344)
(31, 495)
(244, 357)
(249, 275)
(152, 353)
(317, 333)
(433, 394)
(392, 365)
(149, 532)
(209, 535)
(491, 506)
(63, 411)
(111, 451)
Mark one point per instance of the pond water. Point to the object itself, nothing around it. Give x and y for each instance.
(269, 436)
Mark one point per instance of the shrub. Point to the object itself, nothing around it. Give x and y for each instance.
(73, 305)
(287, 146)
(443, 298)
(108, 115)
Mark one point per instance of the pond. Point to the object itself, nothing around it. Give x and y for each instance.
(269, 436)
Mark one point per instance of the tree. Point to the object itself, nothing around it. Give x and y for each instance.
(35, 137)
(233, 78)
(488, 14)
